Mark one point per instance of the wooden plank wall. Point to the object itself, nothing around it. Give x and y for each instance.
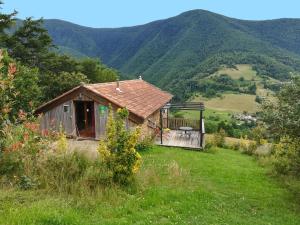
(53, 119)
(100, 122)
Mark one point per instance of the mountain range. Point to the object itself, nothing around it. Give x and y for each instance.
(178, 51)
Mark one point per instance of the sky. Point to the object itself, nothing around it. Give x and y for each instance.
(119, 13)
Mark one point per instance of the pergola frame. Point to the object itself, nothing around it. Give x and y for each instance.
(196, 106)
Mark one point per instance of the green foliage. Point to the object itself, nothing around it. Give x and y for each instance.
(97, 72)
(219, 138)
(62, 144)
(8, 94)
(22, 146)
(6, 21)
(145, 144)
(30, 43)
(282, 117)
(286, 157)
(118, 150)
(17, 81)
(282, 122)
(56, 84)
(32, 161)
(28, 98)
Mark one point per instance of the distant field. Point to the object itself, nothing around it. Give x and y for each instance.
(231, 103)
(222, 115)
(243, 70)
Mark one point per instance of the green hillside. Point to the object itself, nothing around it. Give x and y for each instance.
(175, 53)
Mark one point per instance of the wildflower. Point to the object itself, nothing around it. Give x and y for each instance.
(12, 68)
(26, 136)
(22, 115)
(33, 127)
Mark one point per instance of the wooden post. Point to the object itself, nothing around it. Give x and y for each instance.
(161, 127)
(167, 118)
(200, 128)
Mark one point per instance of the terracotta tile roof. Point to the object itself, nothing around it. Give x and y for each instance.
(138, 96)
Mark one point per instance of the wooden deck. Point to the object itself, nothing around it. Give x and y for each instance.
(177, 138)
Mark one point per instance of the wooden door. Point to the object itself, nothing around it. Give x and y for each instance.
(85, 118)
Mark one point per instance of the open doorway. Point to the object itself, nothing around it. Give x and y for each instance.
(85, 118)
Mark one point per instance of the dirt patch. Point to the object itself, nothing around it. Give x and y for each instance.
(85, 147)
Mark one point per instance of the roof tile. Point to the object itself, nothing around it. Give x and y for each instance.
(138, 96)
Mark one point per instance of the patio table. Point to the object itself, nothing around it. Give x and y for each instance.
(187, 130)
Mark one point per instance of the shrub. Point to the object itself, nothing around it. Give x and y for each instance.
(219, 138)
(62, 143)
(145, 144)
(236, 146)
(210, 148)
(21, 148)
(26, 182)
(250, 148)
(11, 164)
(286, 158)
(118, 150)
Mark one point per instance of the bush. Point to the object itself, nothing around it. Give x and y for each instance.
(118, 150)
(210, 127)
(219, 138)
(235, 146)
(210, 147)
(250, 148)
(286, 158)
(21, 148)
(145, 144)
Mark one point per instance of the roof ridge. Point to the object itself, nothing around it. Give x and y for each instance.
(111, 82)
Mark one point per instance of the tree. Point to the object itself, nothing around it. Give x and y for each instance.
(7, 93)
(96, 72)
(252, 89)
(283, 117)
(55, 63)
(55, 84)
(30, 43)
(6, 21)
(29, 92)
(23, 92)
(282, 120)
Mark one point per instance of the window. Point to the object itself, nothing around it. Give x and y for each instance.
(66, 108)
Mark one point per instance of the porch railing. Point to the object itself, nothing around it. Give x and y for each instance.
(175, 123)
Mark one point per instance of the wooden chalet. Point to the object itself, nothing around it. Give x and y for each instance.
(82, 112)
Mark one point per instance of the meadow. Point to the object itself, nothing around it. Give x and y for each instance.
(174, 186)
(242, 70)
(231, 103)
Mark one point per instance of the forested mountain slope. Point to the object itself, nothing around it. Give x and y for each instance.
(175, 52)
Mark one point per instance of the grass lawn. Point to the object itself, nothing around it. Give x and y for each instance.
(174, 187)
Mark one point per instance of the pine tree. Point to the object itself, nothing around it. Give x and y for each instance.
(30, 43)
(6, 21)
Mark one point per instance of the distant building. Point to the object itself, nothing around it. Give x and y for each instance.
(245, 117)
